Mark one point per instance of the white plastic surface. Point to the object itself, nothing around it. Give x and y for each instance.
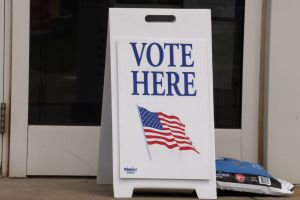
(130, 24)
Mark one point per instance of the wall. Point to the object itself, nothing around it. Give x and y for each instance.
(282, 121)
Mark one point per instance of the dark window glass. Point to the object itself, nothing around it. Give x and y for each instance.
(67, 58)
(227, 43)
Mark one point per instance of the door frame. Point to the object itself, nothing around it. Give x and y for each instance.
(244, 140)
(2, 49)
(5, 78)
(19, 88)
(251, 80)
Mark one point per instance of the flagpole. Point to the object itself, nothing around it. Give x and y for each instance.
(144, 133)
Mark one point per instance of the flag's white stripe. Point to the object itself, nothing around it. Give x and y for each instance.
(172, 122)
(173, 126)
(161, 140)
(170, 143)
(170, 118)
(167, 120)
(167, 132)
(154, 129)
(179, 131)
(167, 137)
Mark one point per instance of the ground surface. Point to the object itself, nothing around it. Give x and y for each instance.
(87, 189)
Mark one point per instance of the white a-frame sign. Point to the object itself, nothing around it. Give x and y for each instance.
(157, 116)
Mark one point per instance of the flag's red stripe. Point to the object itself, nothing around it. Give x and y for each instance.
(171, 122)
(177, 127)
(167, 139)
(188, 148)
(163, 143)
(167, 134)
(158, 132)
(169, 116)
(172, 130)
(172, 146)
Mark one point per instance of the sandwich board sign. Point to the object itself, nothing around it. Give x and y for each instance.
(157, 114)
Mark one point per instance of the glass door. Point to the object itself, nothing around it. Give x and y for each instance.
(65, 59)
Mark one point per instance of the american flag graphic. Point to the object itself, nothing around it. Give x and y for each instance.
(166, 130)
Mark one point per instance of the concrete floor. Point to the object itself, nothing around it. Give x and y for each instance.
(87, 189)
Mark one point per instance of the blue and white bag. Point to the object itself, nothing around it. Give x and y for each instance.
(242, 176)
